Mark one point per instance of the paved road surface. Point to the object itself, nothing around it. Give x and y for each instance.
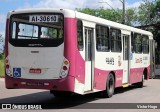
(150, 93)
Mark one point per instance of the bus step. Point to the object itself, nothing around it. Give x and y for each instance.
(125, 85)
(89, 91)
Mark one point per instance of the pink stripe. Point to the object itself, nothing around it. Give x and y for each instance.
(100, 78)
(136, 74)
(71, 52)
(6, 38)
(70, 43)
(6, 43)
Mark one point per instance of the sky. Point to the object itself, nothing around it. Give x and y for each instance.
(8, 5)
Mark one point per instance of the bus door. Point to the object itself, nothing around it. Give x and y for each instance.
(126, 50)
(88, 58)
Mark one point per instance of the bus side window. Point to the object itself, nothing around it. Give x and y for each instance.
(80, 35)
(102, 38)
(138, 43)
(145, 45)
(116, 44)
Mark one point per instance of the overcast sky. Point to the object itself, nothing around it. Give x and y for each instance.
(7, 5)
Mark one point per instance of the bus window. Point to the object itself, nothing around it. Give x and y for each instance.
(14, 30)
(80, 35)
(26, 31)
(138, 43)
(38, 30)
(102, 38)
(49, 33)
(116, 44)
(145, 44)
(60, 33)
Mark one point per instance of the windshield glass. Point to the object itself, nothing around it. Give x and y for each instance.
(37, 30)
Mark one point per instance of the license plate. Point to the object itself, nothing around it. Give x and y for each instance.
(35, 71)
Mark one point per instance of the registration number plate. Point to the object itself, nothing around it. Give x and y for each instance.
(35, 71)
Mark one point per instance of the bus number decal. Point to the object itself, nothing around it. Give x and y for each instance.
(43, 18)
(119, 61)
(110, 61)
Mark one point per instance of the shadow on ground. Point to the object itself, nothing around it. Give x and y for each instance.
(48, 101)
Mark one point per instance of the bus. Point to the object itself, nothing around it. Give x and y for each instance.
(65, 51)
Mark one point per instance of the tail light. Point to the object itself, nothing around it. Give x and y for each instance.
(8, 68)
(64, 69)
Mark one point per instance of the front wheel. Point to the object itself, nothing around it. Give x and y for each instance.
(110, 86)
(140, 84)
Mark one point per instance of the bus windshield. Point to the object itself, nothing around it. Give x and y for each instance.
(36, 30)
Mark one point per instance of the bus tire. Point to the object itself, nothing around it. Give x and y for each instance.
(110, 86)
(140, 84)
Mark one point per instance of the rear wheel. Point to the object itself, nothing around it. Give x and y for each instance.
(110, 86)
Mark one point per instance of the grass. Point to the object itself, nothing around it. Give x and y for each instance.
(2, 65)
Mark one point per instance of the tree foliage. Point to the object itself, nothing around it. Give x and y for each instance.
(146, 12)
(130, 16)
(110, 14)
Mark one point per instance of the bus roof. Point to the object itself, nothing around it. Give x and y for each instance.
(72, 14)
(111, 23)
(66, 12)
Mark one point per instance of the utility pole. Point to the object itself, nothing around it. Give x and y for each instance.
(123, 13)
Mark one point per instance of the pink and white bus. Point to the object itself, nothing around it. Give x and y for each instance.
(66, 51)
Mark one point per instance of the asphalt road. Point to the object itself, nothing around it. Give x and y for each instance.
(150, 93)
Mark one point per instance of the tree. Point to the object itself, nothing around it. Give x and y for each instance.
(1, 45)
(149, 19)
(146, 12)
(131, 17)
(113, 15)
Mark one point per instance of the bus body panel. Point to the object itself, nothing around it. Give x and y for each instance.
(70, 43)
(100, 78)
(66, 84)
(44, 59)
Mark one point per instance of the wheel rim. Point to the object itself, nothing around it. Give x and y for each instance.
(111, 85)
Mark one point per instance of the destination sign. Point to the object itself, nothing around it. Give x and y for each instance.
(43, 18)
